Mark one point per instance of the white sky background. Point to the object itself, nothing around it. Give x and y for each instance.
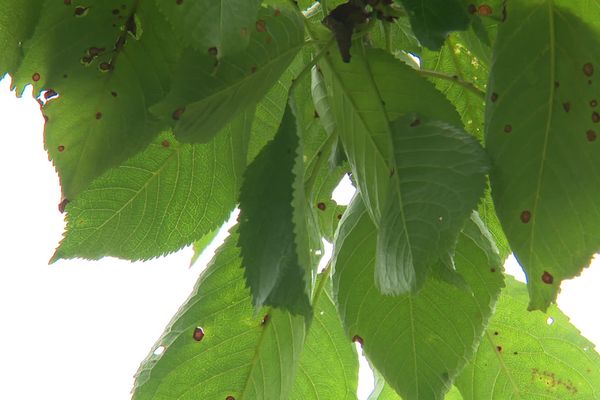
(79, 329)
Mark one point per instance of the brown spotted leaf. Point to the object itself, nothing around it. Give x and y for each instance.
(542, 125)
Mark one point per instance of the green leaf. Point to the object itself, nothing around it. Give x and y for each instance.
(224, 25)
(164, 198)
(215, 346)
(541, 133)
(418, 342)
(275, 258)
(441, 175)
(200, 245)
(531, 355)
(329, 364)
(13, 35)
(106, 79)
(208, 92)
(433, 20)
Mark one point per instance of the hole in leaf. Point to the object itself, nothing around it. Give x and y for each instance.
(525, 216)
(49, 94)
(549, 320)
(358, 339)
(198, 334)
(159, 350)
(588, 69)
(178, 113)
(35, 77)
(547, 278)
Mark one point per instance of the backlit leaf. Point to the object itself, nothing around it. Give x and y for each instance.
(217, 334)
(208, 92)
(530, 355)
(541, 133)
(418, 342)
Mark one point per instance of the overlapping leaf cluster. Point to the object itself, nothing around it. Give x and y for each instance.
(470, 130)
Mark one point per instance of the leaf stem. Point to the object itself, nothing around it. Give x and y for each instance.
(306, 69)
(322, 154)
(452, 78)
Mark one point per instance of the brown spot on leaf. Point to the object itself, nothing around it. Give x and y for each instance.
(87, 59)
(556, 84)
(593, 103)
(98, 115)
(321, 206)
(243, 32)
(105, 66)
(67, 2)
(484, 10)
(525, 216)
(62, 205)
(277, 12)
(198, 334)
(494, 97)
(496, 333)
(472, 8)
(508, 128)
(96, 51)
(358, 339)
(113, 94)
(212, 51)
(416, 122)
(591, 135)
(339, 216)
(229, 398)
(567, 106)
(115, 11)
(316, 114)
(268, 39)
(165, 143)
(492, 270)
(80, 11)
(61, 148)
(261, 25)
(35, 77)
(265, 319)
(178, 2)
(515, 353)
(588, 69)
(178, 113)
(547, 278)
(595, 117)
(499, 348)
(253, 69)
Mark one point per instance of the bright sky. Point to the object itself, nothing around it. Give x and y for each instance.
(79, 329)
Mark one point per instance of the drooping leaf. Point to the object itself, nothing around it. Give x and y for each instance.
(329, 364)
(106, 73)
(541, 133)
(166, 197)
(364, 112)
(441, 175)
(208, 92)
(417, 342)
(276, 266)
(433, 20)
(530, 355)
(222, 25)
(216, 346)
